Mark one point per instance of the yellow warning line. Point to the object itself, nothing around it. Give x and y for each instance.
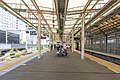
(102, 63)
(13, 63)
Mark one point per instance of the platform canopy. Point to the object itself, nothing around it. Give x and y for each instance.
(61, 17)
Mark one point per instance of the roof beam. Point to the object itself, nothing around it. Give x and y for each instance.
(31, 12)
(56, 7)
(65, 12)
(51, 12)
(80, 11)
(35, 11)
(89, 12)
(7, 7)
(84, 10)
(29, 9)
(86, 6)
(102, 11)
(37, 7)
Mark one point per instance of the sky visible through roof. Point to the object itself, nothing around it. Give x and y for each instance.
(76, 3)
(70, 19)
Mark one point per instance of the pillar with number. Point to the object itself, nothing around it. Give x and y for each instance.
(39, 35)
(83, 35)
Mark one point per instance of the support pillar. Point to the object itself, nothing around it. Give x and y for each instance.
(70, 43)
(49, 41)
(67, 41)
(83, 36)
(53, 41)
(39, 35)
(73, 41)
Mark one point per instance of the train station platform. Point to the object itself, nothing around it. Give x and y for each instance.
(52, 67)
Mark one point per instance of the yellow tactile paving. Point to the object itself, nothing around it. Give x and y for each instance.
(17, 61)
(13, 63)
(101, 62)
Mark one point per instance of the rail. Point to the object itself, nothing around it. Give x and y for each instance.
(109, 57)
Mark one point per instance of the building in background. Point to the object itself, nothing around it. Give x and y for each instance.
(12, 37)
(16, 30)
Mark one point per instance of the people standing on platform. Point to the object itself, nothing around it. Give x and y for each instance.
(61, 49)
(57, 47)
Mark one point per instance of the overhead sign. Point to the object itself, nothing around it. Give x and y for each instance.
(33, 33)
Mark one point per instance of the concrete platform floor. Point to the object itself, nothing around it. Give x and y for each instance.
(51, 67)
